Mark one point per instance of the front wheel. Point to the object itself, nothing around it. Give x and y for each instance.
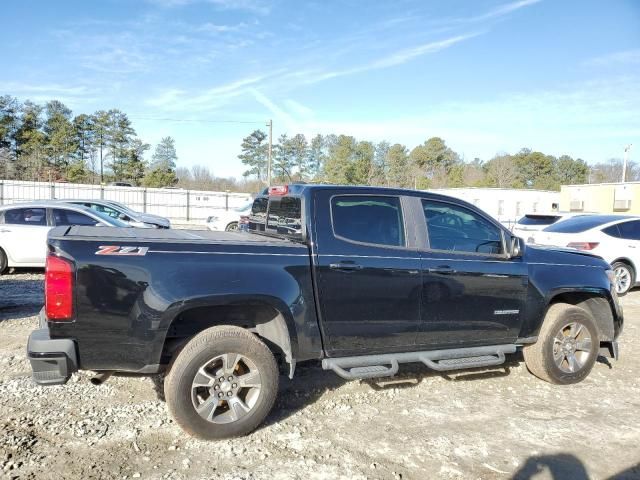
(222, 384)
(232, 227)
(625, 277)
(567, 346)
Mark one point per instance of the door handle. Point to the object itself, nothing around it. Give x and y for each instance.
(4, 230)
(630, 246)
(442, 270)
(345, 266)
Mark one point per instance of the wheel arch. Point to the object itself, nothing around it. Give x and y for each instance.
(626, 260)
(267, 317)
(598, 303)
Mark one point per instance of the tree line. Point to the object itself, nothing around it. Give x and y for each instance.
(48, 143)
(342, 159)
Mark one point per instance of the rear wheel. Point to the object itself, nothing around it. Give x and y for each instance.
(625, 277)
(222, 384)
(232, 227)
(3, 261)
(567, 346)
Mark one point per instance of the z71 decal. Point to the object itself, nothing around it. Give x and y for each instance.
(118, 250)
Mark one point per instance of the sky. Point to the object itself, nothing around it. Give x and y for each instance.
(488, 76)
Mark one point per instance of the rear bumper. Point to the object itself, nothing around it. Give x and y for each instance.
(52, 360)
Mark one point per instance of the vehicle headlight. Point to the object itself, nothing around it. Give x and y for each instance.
(611, 275)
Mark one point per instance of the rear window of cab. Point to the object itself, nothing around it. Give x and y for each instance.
(277, 215)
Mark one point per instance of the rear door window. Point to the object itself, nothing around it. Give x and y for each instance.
(71, 217)
(630, 230)
(368, 219)
(26, 216)
(612, 231)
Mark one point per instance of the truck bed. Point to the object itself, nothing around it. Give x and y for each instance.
(153, 235)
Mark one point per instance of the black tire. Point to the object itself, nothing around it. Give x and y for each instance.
(232, 227)
(542, 357)
(629, 272)
(3, 261)
(204, 350)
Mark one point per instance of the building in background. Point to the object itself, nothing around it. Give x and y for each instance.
(507, 205)
(623, 198)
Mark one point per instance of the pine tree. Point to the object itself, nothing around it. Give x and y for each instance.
(254, 154)
(162, 172)
(60, 138)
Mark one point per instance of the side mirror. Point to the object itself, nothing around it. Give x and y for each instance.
(515, 250)
(123, 217)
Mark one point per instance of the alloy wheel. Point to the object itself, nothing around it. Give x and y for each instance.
(226, 388)
(572, 347)
(622, 279)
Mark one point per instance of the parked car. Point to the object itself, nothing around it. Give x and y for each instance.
(120, 184)
(228, 220)
(124, 213)
(362, 278)
(24, 228)
(616, 238)
(534, 222)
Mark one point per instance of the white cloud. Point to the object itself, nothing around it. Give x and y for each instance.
(298, 109)
(505, 9)
(280, 114)
(261, 7)
(397, 58)
(52, 89)
(627, 57)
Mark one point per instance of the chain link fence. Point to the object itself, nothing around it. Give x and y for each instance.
(181, 206)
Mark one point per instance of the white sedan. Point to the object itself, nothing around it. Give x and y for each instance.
(24, 228)
(616, 238)
(228, 220)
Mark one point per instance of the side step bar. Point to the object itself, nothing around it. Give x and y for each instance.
(386, 365)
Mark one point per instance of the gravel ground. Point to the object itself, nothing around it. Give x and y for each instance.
(492, 424)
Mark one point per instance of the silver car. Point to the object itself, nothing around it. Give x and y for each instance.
(24, 228)
(124, 213)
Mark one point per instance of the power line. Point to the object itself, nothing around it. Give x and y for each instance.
(192, 120)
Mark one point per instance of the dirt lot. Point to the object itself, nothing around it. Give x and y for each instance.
(499, 423)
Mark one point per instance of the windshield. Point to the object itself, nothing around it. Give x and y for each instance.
(582, 224)
(123, 207)
(244, 208)
(538, 219)
(114, 222)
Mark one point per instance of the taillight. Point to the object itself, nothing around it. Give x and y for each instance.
(58, 289)
(583, 245)
(279, 190)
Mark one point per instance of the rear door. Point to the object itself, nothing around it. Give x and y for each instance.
(623, 240)
(473, 294)
(367, 273)
(23, 235)
(63, 217)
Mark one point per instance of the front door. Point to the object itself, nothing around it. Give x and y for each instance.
(473, 294)
(368, 275)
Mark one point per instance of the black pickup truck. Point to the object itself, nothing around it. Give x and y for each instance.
(359, 278)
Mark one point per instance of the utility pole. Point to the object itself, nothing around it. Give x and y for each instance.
(626, 160)
(270, 125)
